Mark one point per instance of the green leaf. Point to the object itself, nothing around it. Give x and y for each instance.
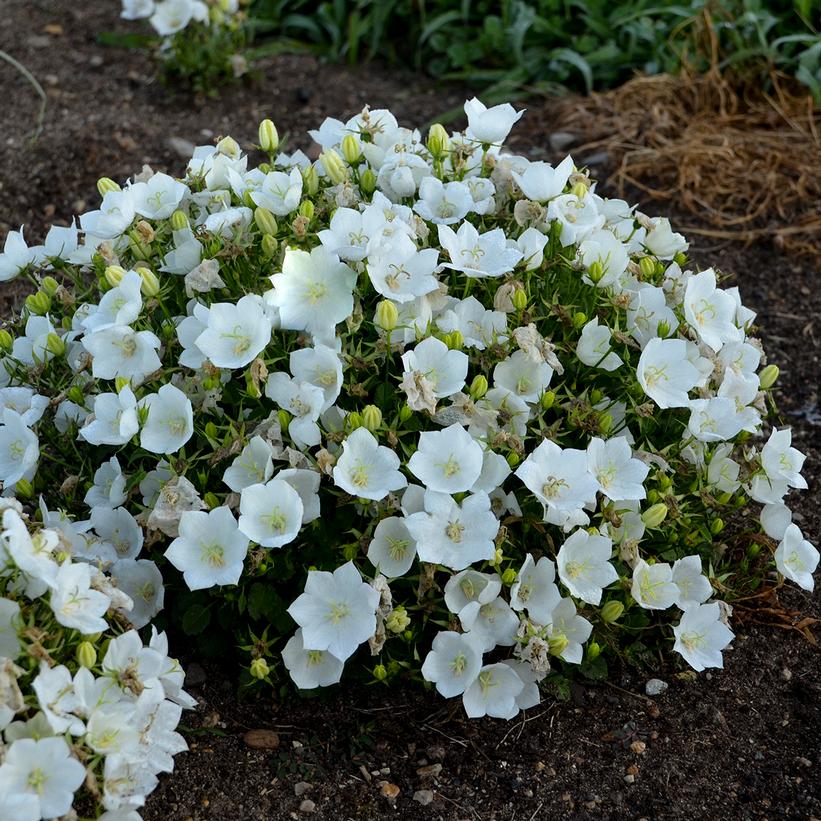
(195, 619)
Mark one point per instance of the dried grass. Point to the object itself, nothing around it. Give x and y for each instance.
(746, 162)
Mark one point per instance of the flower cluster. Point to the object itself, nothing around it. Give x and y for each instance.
(85, 707)
(485, 417)
(169, 17)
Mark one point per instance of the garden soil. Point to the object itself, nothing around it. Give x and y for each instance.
(742, 743)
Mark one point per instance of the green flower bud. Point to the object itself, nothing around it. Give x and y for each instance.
(306, 209)
(284, 419)
(230, 147)
(86, 654)
(379, 672)
(150, 285)
(259, 669)
(334, 167)
(513, 458)
(269, 245)
(105, 185)
(498, 557)
(387, 315)
(114, 275)
(252, 386)
(371, 418)
(268, 137)
(612, 611)
(519, 299)
(179, 221)
(655, 515)
(397, 620)
(38, 303)
(438, 141)
(455, 341)
(716, 526)
(725, 498)
(509, 576)
(753, 550)
(663, 329)
(405, 413)
(351, 150)
(211, 430)
(6, 341)
(121, 382)
(557, 644)
(24, 489)
(579, 190)
(55, 344)
(579, 319)
(768, 376)
(605, 422)
(75, 395)
(367, 181)
(478, 387)
(50, 285)
(547, 400)
(265, 221)
(680, 258)
(349, 552)
(310, 178)
(211, 500)
(266, 167)
(647, 265)
(353, 421)
(595, 272)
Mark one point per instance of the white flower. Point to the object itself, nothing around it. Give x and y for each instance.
(337, 611)
(346, 235)
(119, 306)
(171, 16)
(714, 419)
(662, 241)
(305, 482)
(303, 401)
(453, 663)
(531, 244)
(42, 776)
(448, 461)
(34, 555)
(9, 624)
(142, 582)
(619, 475)
(119, 531)
(648, 308)
(471, 586)
(444, 370)
(491, 624)
(73, 601)
(694, 587)
(567, 623)
(270, 514)
(170, 421)
(523, 377)
(392, 548)
(454, 535)
(116, 213)
(653, 586)
(666, 374)
(400, 272)
(535, 589)
(443, 203)
(108, 489)
(314, 292)
(490, 125)
(19, 448)
(55, 695)
(709, 311)
(578, 218)
(479, 326)
(584, 565)
(478, 255)
(236, 333)
(319, 366)
(210, 549)
(540, 181)
(796, 558)
(280, 192)
(310, 668)
(254, 465)
(782, 462)
(493, 692)
(159, 197)
(367, 469)
(701, 635)
(121, 351)
(775, 519)
(16, 256)
(593, 347)
(32, 349)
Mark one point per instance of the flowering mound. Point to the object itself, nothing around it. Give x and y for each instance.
(422, 395)
(85, 707)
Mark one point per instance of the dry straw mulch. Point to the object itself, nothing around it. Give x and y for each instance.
(746, 162)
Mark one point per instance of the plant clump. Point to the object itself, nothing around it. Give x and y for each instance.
(421, 407)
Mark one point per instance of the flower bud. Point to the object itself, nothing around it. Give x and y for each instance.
(179, 221)
(6, 341)
(509, 576)
(593, 651)
(268, 137)
(455, 341)
(655, 515)
(605, 423)
(265, 221)
(350, 551)
(498, 557)
(716, 526)
(612, 611)
(478, 387)
(333, 165)
(269, 245)
(680, 258)
(405, 413)
(371, 418)
(310, 179)
(397, 620)
(579, 319)
(24, 489)
(557, 644)
(519, 299)
(547, 400)
(50, 285)
(284, 420)
(229, 147)
(211, 500)
(647, 265)
(105, 185)
(768, 376)
(753, 550)
(380, 673)
(121, 382)
(114, 275)
(367, 181)
(579, 190)
(86, 654)
(259, 669)
(595, 272)
(75, 395)
(351, 150)
(306, 209)
(387, 315)
(150, 285)
(55, 344)
(513, 458)
(353, 421)
(38, 303)
(438, 141)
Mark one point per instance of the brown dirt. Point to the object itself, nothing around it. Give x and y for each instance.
(743, 743)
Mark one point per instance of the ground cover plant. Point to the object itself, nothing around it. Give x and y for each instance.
(562, 404)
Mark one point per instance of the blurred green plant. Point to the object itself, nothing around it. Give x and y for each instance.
(548, 45)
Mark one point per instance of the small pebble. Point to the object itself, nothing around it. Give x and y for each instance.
(786, 674)
(301, 787)
(390, 791)
(629, 778)
(429, 771)
(638, 747)
(423, 797)
(261, 739)
(307, 806)
(655, 687)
